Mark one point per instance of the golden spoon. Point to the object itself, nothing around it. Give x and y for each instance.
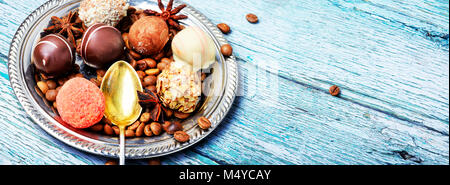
(119, 86)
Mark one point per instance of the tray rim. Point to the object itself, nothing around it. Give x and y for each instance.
(89, 145)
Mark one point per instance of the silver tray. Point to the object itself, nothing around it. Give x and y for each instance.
(222, 85)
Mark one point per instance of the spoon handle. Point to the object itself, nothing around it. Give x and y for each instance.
(122, 146)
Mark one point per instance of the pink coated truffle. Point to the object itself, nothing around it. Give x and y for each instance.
(80, 102)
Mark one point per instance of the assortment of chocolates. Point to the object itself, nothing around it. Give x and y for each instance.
(167, 57)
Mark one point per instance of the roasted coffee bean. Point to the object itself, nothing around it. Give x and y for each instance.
(148, 130)
(156, 128)
(154, 161)
(51, 84)
(125, 39)
(181, 115)
(134, 126)
(252, 18)
(51, 95)
(129, 133)
(111, 162)
(61, 81)
(166, 60)
(135, 55)
(116, 130)
(108, 130)
(100, 72)
(162, 65)
(42, 86)
(149, 80)
(181, 136)
(96, 82)
(335, 90)
(145, 117)
(226, 50)
(141, 74)
(150, 62)
(106, 121)
(168, 113)
(151, 88)
(140, 130)
(203, 122)
(141, 65)
(172, 127)
(152, 72)
(97, 127)
(224, 28)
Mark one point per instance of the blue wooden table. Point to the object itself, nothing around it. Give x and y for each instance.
(390, 58)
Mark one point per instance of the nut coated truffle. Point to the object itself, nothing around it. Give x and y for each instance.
(54, 55)
(80, 102)
(101, 45)
(179, 87)
(109, 12)
(148, 35)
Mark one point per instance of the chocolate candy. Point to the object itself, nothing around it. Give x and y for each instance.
(54, 55)
(101, 45)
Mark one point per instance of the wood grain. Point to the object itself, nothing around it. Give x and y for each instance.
(390, 58)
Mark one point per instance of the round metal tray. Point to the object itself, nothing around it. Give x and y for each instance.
(221, 85)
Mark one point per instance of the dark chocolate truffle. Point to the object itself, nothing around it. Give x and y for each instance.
(54, 55)
(101, 45)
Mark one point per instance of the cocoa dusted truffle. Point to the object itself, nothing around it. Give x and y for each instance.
(149, 35)
(109, 12)
(101, 45)
(53, 55)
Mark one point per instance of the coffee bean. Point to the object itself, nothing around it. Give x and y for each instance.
(152, 72)
(111, 162)
(181, 115)
(116, 130)
(168, 113)
(154, 161)
(141, 74)
(224, 28)
(252, 18)
(129, 133)
(181, 136)
(150, 62)
(100, 72)
(140, 130)
(203, 122)
(51, 84)
(151, 88)
(226, 50)
(51, 95)
(162, 65)
(134, 126)
(42, 86)
(145, 117)
(97, 127)
(148, 130)
(335, 90)
(141, 65)
(156, 128)
(166, 60)
(108, 130)
(172, 127)
(149, 80)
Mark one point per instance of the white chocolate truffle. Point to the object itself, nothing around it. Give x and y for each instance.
(178, 87)
(108, 12)
(194, 47)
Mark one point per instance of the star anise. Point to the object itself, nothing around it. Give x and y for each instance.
(69, 26)
(149, 99)
(169, 14)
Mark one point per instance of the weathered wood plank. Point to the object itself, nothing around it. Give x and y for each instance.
(390, 58)
(379, 61)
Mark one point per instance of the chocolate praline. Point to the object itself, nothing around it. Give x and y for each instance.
(101, 45)
(148, 35)
(54, 55)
